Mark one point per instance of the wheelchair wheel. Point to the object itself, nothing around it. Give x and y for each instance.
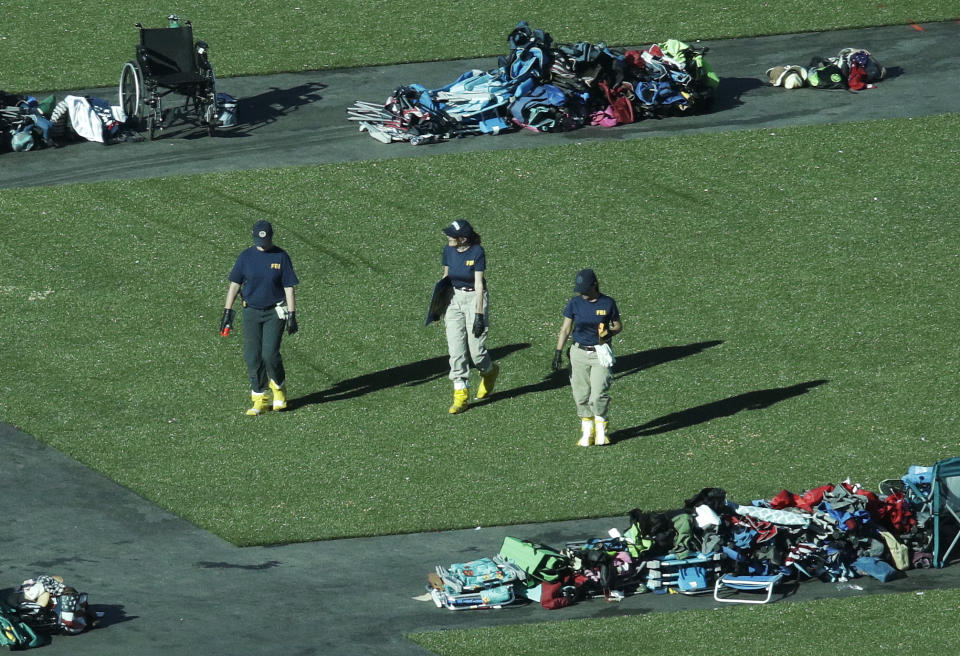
(131, 91)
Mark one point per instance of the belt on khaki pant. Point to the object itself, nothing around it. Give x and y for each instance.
(585, 348)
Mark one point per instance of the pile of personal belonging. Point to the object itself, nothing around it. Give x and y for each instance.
(853, 68)
(546, 88)
(830, 533)
(29, 124)
(45, 606)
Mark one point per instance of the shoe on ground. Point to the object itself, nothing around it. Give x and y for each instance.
(600, 428)
(279, 396)
(461, 401)
(487, 381)
(260, 404)
(586, 432)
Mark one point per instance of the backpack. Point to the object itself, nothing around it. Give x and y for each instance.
(49, 604)
(540, 562)
(538, 109)
(523, 36)
(529, 60)
(598, 559)
(563, 75)
(14, 632)
(620, 98)
(852, 60)
(878, 569)
(591, 63)
(72, 612)
(826, 74)
(714, 498)
(557, 594)
(693, 63)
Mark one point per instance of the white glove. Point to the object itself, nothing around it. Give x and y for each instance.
(605, 355)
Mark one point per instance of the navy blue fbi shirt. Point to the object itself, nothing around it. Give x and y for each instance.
(588, 315)
(463, 265)
(262, 275)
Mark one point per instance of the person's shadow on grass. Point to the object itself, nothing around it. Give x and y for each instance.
(700, 414)
(625, 366)
(637, 362)
(407, 375)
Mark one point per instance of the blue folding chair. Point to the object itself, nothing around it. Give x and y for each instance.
(690, 576)
(731, 585)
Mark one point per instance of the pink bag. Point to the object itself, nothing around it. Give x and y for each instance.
(604, 118)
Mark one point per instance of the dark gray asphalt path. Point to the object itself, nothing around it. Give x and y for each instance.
(300, 119)
(167, 587)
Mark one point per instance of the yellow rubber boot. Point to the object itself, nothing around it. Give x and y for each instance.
(586, 431)
(600, 428)
(461, 399)
(279, 396)
(488, 380)
(260, 404)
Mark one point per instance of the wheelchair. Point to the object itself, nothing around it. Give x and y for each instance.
(168, 61)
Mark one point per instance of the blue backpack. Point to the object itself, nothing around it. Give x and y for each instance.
(528, 63)
(548, 109)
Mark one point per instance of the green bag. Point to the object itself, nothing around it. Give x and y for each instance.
(15, 633)
(539, 561)
(47, 105)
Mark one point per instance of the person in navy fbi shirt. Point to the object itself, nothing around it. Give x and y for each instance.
(467, 318)
(592, 319)
(264, 278)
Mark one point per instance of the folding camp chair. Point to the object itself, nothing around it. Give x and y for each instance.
(933, 493)
(945, 505)
(731, 584)
(479, 584)
(690, 576)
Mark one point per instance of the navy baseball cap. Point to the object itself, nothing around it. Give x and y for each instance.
(262, 233)
(586, 279)
(459, 228)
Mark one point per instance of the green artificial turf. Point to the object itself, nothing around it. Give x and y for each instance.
(74, 45)
(921, 623)
(788, 299)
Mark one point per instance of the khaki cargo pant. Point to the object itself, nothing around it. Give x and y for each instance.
(590, 382)
(460, 339)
